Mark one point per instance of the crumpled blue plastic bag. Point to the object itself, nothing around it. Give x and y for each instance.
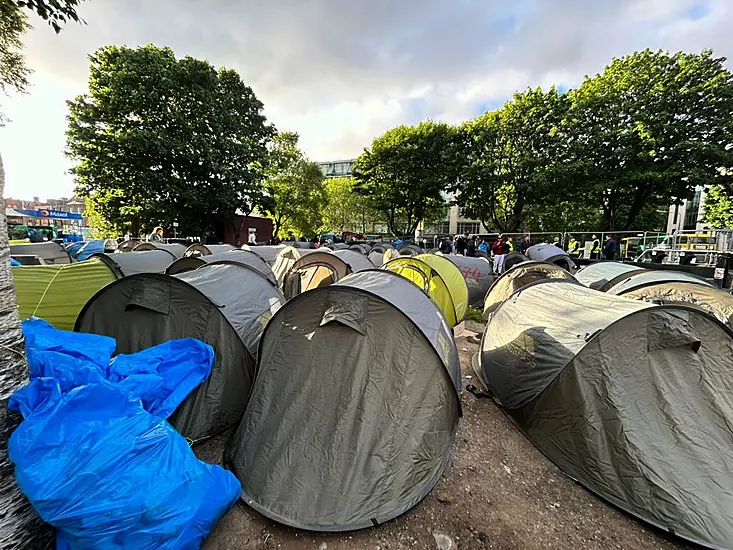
(94, 454)
(111, 476)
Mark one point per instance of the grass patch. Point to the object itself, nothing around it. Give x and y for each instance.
(475, 315)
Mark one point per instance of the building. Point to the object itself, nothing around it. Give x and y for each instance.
(690, 215)
(65, 214)
(338, 168)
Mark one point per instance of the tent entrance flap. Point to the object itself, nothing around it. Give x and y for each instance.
(352, 313)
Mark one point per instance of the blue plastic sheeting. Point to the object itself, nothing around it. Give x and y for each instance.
(74, 248)
(96, 457)
(111, 476)
(89, 248)
(15, 263)
(161, 376)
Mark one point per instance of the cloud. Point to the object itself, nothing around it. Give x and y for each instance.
(342, 72)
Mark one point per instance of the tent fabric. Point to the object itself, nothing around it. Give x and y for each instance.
(337, 246)
(552, 254)
(514, 258)
(642, 278)
(51, 252)
(267, 253)
(376, 258)
(287, 256)
(354, 411)
(225, 306)
(57, 293)
(361, 248)
(127, 246)
(633, 400)
(478, 274)
(518, 277)
(312, 271)
(423, 272)
(714, 301)
(89, 249)
(598, 274)
(409, 249)
(110, 245)
(133, 263)
(198, 249)
(234, 256)
(178, 250)
(354, 259)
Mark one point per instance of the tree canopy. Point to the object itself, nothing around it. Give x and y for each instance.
(159, 139)
(719, 207)
(347, 210)
(407, 171)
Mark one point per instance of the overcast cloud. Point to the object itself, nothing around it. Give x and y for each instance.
(341, 72)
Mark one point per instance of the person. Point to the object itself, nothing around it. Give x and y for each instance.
(595, 248)
(460, 245)
(483, 246)
(156, 236)
(498, 250)
(471, 247)
(211, 238)
(609, 247)
(573, 248)
(525, 244)
(252, 238)
(445, 247)
(508, 245)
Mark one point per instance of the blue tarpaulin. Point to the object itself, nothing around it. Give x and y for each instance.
(15, 263)
(96, 457)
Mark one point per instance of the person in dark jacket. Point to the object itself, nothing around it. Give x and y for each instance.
(610, 247)
(471, 247)
(460, 245)
(525, 244)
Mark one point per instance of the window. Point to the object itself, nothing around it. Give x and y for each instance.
(472, 228)
(462, 212)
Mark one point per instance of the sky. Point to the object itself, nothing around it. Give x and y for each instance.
(342, 72)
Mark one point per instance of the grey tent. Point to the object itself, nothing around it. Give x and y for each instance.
(707, 298)
(478, 274)
(376, 258)
(633, 400)
(550, 253)
(133, 263)
(512, 259)
(485, 255)
(337, 246)
(178, 250)
(409, 249)
(355, 407)
(287, 256)
(314, 270)
(50, 252)
(225, 306)
(234, 256)
(267, 253)
(646, 277)
(520, 276)
(198, 249)
(598, 274)
(127, 246)
(110, 245)
(354, 259)
(365, 249)
(382, 247)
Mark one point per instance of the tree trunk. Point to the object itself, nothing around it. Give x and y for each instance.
(20, 526)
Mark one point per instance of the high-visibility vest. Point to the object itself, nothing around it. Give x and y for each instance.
(510, 245)
(595, 247)
(574, 248)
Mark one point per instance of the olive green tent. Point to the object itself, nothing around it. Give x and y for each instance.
(57, 293)
(355, 406)
(632, 400)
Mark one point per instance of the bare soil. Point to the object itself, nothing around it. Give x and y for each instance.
(499, 493)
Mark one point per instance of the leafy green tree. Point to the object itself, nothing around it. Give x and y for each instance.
(296, 188)
(719, 207)
(347, 210)
(56, 12)
(159, 139)
(13, 70)
(406, 172)
(511, 164)
(648, 130)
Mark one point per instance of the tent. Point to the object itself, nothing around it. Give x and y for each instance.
(712, 300)
(132, 263)
(520, 276)
(88, 249)
(552, 254)
(178, 250)
(287, 256)
(225, 306)
(267, 253)
(409, 249)
(439, 278)
(314, 270)
(598, 274)
(646, 277)
(355, 407)
(364, 249)
(512, 259)
(478, 274)
(57, 293)
(51, 252)
(632, 400)
(198, 249)
(110, 245)
(337, 246)
(354, 259)
(234, 256)
(127, 246)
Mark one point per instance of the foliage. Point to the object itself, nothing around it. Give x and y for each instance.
(475, 315)
(406, 172)
(648, 130)
(56, 12)
(13, 71)
(719, 207)
(347, 210)
(159, 139)
(296, 187)
(102, 211)
(512, 155)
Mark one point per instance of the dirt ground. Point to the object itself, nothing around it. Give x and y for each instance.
(499, 493)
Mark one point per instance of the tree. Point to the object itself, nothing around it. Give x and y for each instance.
(648, 130)
(719, 207)
(56, 12)
(511, 164)
(406, 172)
(296, 187)
(159, 140)
(347, 210)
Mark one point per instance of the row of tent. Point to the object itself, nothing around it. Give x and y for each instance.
(632, 398)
